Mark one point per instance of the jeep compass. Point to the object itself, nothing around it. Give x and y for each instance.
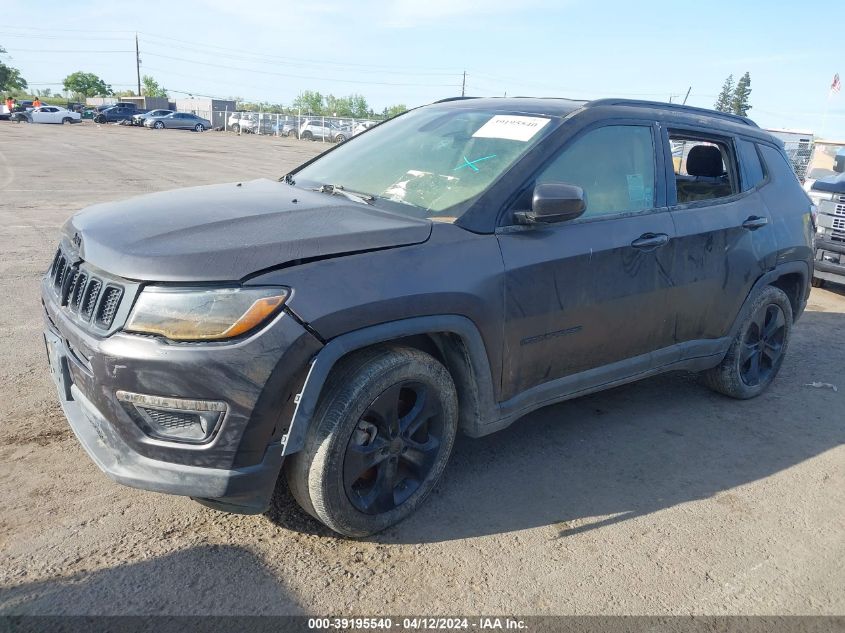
(450, 270)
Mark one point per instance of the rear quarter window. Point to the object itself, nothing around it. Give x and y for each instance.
(776, 163)
(753, 172)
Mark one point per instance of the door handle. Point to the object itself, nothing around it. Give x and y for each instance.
(754, 222)
(650, 241)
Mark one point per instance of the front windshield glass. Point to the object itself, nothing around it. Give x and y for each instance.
(433, 162)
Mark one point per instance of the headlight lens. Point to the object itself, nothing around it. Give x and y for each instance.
(204, 314)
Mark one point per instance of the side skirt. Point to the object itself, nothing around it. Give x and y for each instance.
(689, 356)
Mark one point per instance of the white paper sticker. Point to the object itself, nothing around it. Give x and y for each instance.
(514, 128)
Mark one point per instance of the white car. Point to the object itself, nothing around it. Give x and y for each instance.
(53, 114)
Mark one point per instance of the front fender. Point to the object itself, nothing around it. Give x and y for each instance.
(339, 347)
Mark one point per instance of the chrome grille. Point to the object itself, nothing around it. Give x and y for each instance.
(839, 224)
(86, 296)
(108, 306)
(92, 293)
(839, 209)
(840, 198)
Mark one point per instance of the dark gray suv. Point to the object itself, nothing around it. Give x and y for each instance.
(450, 270)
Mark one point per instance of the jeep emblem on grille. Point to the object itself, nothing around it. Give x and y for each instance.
(77, 240)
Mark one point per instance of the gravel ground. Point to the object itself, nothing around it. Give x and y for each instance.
(655, 498)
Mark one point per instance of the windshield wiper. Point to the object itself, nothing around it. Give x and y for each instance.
(355, 196)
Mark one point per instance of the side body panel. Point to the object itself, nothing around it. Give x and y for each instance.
(454, 273)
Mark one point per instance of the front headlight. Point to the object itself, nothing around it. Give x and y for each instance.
(203, 314)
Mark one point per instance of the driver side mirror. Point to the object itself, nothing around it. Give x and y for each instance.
(554, 202)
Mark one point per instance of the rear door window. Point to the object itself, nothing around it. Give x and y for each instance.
(704, 167)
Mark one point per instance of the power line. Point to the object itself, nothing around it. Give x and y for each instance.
(308, 77)
(56, 50)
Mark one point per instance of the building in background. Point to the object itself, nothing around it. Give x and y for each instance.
(215, 110)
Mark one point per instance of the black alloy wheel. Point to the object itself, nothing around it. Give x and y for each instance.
(393, 447)
(762, 346)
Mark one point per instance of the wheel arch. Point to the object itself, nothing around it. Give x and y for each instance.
(791, 277)
(452, 339)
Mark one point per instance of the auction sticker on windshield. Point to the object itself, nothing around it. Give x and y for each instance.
(514, 128)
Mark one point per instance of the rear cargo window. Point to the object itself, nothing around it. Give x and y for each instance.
(752, 170)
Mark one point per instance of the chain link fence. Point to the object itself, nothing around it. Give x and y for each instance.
(313, 128)
(799, 153)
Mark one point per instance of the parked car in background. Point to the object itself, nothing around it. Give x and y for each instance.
(242, 122)
(828, 194)
(22, 106)
(816, 174)
(116, 113)
(322, 130)
(53, 114)
(138, 119)
(178, 121)
(363, 126)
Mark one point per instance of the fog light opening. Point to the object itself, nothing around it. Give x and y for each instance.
(176, 419)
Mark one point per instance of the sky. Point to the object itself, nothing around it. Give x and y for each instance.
(416, 51)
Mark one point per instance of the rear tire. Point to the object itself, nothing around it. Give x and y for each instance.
(362, 469)
(307, 136)
(757, 351)
(817, 283)
(66, 120)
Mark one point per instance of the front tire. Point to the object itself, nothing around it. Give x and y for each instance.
(307, 136)
(382, 434)
(757, 351)
(199, 127)
(158, 125)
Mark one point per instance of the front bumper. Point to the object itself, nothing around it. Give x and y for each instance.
(829, 261)
(257, 377)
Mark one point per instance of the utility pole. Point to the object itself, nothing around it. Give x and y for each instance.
(138, 64)
(464, 85)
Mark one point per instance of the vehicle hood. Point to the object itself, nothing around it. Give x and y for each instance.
(834, 184)
(226, 232)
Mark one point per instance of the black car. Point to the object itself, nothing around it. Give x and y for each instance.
(449, 270)
(120, 112)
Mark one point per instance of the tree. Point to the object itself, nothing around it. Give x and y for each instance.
(741, 96)
(126, 93)
(10, 78)
(395, 110)
(309, 102)
(723, 103)
(86, 85)
(152, 88)
(358, 107)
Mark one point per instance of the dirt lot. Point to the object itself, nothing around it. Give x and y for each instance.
(659, 497)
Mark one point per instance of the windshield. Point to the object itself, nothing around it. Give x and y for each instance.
(433, 162)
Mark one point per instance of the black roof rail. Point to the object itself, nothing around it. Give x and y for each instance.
(447, 99)
(673, 106)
